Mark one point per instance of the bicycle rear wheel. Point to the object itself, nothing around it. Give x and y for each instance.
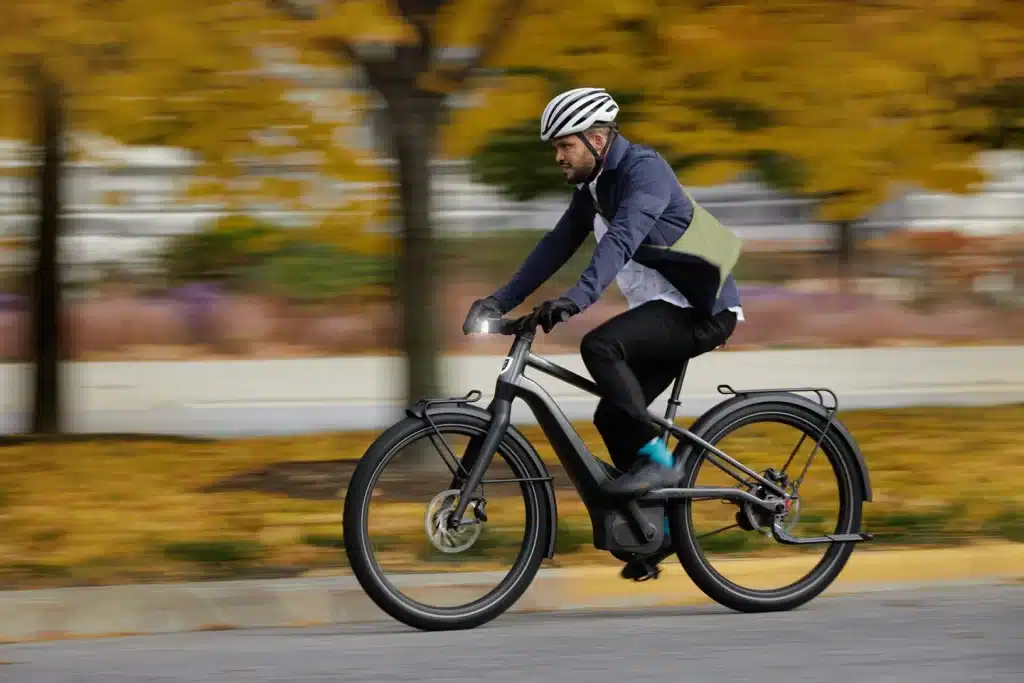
(409, 599)
(756, 433)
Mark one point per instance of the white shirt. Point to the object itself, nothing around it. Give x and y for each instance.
(640, 284)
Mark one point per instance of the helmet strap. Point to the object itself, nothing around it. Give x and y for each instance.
(598, 158)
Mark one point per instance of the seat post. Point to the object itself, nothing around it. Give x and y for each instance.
(673, 401)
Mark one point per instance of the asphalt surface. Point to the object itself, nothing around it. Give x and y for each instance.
(952, 635)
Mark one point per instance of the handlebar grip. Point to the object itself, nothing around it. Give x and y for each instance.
(507, 327)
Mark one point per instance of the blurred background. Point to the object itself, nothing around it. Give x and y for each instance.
(272, 180)
(260, 193)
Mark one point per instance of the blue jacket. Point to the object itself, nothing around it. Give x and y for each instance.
(647, 212)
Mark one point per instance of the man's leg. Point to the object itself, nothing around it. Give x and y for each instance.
(615, 431)
(654, 379)
(645, 345)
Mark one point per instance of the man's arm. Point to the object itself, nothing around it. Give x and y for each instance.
(647, 192)
(550, 253)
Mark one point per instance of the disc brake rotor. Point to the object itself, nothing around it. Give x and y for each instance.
(436, 524)
(761, 520)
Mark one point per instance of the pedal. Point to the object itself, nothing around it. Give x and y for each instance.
(652, 573)
(639, 570)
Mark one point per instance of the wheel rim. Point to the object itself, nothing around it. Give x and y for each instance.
(420, 599)
(829, 458)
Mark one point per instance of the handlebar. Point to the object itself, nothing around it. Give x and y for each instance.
(506, 326)
(526, 324)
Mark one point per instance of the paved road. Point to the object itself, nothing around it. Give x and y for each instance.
(930, 636)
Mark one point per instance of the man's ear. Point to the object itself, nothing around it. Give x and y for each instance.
(598, 138)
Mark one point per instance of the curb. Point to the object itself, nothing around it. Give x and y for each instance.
(169, 608)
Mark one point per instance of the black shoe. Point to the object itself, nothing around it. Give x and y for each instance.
(644, 476)
(645, 568)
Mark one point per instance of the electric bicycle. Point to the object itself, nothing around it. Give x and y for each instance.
(629, 528)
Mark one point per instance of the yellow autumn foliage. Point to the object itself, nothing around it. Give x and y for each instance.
(863, 94)
(198, 75)
(868, 96)
(61, 528)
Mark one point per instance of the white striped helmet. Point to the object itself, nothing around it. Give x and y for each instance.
(574, 111)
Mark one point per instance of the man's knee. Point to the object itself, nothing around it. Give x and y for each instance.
(597, 346)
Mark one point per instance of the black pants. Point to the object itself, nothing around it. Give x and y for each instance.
(634, 357)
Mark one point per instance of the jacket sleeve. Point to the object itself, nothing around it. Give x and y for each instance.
(551, 252)
(645, 196)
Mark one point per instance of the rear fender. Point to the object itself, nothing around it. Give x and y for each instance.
(726, 409)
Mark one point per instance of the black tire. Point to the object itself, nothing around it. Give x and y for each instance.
(365, 566)
(844, 465)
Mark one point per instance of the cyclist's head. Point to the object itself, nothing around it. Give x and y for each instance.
(579, 123)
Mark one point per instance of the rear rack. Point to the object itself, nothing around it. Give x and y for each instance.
(820, 392)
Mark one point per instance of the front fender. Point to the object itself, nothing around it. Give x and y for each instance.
(535, 465)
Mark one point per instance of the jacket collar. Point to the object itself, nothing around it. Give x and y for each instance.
(616, 153)
(611, 160)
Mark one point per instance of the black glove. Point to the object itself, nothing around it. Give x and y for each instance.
(554, 311)
(487, 308)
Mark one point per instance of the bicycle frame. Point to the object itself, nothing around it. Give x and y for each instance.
(586, 471)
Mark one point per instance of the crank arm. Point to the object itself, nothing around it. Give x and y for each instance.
(782, 536)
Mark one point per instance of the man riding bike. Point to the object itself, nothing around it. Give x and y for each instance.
(682, 302)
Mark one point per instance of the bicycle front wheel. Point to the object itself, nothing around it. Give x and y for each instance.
(403, 487)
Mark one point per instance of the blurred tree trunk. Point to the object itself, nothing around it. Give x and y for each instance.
(846, 253)
(46, 404)
(414, 82)
(412, 117)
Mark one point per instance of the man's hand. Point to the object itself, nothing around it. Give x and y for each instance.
(552, 311)
(487, 308)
